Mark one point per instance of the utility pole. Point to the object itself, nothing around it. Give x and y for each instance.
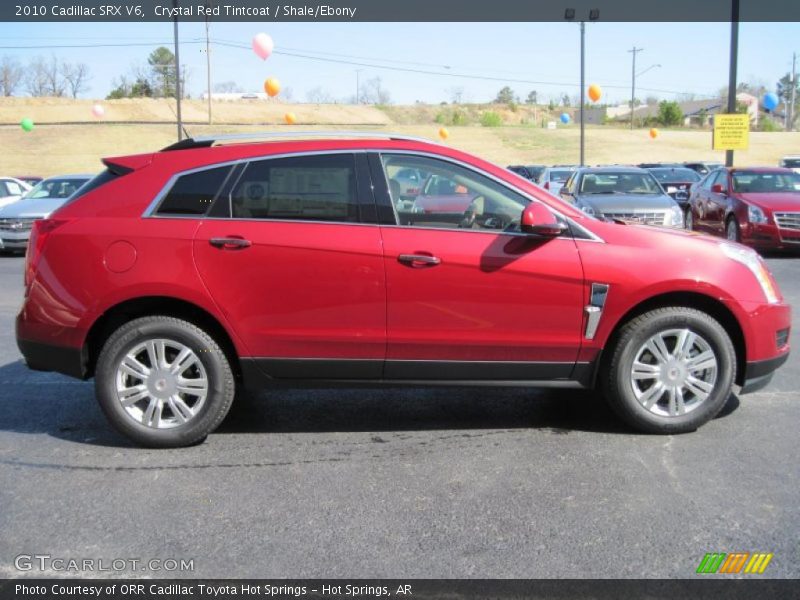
(633, 52)
(208, 67)
(583, 89)
(794, 91)
(358, 90)
(732, 72)
(177, 73)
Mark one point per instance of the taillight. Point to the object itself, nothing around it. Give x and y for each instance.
(39, 232)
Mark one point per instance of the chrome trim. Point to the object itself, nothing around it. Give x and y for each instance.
(594, 310)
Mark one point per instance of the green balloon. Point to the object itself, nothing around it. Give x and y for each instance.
(26, 124)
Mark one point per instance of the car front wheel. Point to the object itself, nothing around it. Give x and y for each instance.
(688, 220)
(732, 230)
(163, 382)
(671, 370)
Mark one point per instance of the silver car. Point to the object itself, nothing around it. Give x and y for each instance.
(626, 194)
(16, 219)
(553, 178)
(11, 189)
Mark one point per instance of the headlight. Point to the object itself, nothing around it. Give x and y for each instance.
(677, 216)
(755, 214)
(588, 210)
(753, 261)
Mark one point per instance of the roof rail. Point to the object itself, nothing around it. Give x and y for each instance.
(211, 140)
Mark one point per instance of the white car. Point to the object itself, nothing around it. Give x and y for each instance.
(11, 190)
(791, 162)
(16, 218)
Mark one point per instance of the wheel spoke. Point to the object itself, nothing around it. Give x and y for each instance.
(133, 367)
(152, 416)
(644, 371)
(652, 395)
(685, 342)
(676, 403)
(179, 408)
(701, 389)
(192, 386)
(185, 359)
(658, 348)
(131, 395)
(701, 362)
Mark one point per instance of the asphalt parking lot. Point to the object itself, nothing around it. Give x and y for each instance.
(428, 482)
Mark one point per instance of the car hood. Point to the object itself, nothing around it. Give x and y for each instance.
(789, 201)
(6, 200)
(626, 202)
(26, 208)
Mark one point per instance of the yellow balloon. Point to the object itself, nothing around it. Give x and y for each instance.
(654, 133)
(595, 92)
(272, 86)
(290, 118)
(443, 133)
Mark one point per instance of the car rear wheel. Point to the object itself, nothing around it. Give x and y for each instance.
(732, 230)
(671, 370)
(163, 382)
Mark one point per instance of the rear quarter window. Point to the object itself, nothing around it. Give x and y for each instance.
(193, 194)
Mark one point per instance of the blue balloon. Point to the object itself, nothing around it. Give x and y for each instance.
(564, 118)
(771, 101)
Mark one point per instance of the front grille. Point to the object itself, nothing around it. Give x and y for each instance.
(16, 225)
(788, 220)
(648, 218)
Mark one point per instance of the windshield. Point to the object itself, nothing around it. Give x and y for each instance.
(56, 187)
(675, 175)
(560, 175)
(750, 182)
(619, 183)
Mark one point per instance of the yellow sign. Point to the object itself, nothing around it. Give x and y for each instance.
(731, 132)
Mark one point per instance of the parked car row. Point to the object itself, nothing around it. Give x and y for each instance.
(25, 204)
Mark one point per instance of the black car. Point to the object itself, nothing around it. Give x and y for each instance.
(530, 172)
(677, 182)
(664, 165)
(703, 167)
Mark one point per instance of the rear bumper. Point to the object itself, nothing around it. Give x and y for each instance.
(41, 356)
(759, 373)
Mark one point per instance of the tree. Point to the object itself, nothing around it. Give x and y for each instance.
(76, 77)
(505, 96)
(651, 101)
(141, 88)
(44, 78)
(669, 113)
(162, 67)
(565, 100)
(11, 75)
(373, 92)
(532, 97)
(317, 95)
(227, 87)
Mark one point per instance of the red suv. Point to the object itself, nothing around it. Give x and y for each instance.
(179, 277)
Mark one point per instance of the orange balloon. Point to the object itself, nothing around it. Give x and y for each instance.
(595, 92)
(290, 118)
(272, 86)
(443, 133)
(654, 133)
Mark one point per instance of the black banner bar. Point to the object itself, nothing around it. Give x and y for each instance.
(410, 589)
(397, 10)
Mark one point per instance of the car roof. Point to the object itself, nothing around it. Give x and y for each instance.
(72, 176)
(612, 169)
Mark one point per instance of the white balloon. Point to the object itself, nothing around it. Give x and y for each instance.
(263, 45)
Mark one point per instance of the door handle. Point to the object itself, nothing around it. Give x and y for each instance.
(230, 242)
(418, 260)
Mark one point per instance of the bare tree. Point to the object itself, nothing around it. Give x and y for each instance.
(11, 74)
(318, 96)
(55, 81)
(373, 92)
(227, 87)
(287, 94)
(36, 78)
(76, 76)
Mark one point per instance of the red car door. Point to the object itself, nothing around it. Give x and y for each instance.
(469, 298)
(299, 278)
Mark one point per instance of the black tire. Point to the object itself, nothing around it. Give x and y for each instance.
(688, 219)
(615, 378)
(221, 383)
(737, 233)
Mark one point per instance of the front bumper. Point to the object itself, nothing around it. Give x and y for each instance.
(759, 373)
(14, 240)
(770, 236)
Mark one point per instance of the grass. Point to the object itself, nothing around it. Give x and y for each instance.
(53, 149)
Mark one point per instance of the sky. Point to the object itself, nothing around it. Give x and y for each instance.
(693, 57)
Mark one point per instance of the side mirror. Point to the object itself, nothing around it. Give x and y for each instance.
(717, 188)
(538, 220)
